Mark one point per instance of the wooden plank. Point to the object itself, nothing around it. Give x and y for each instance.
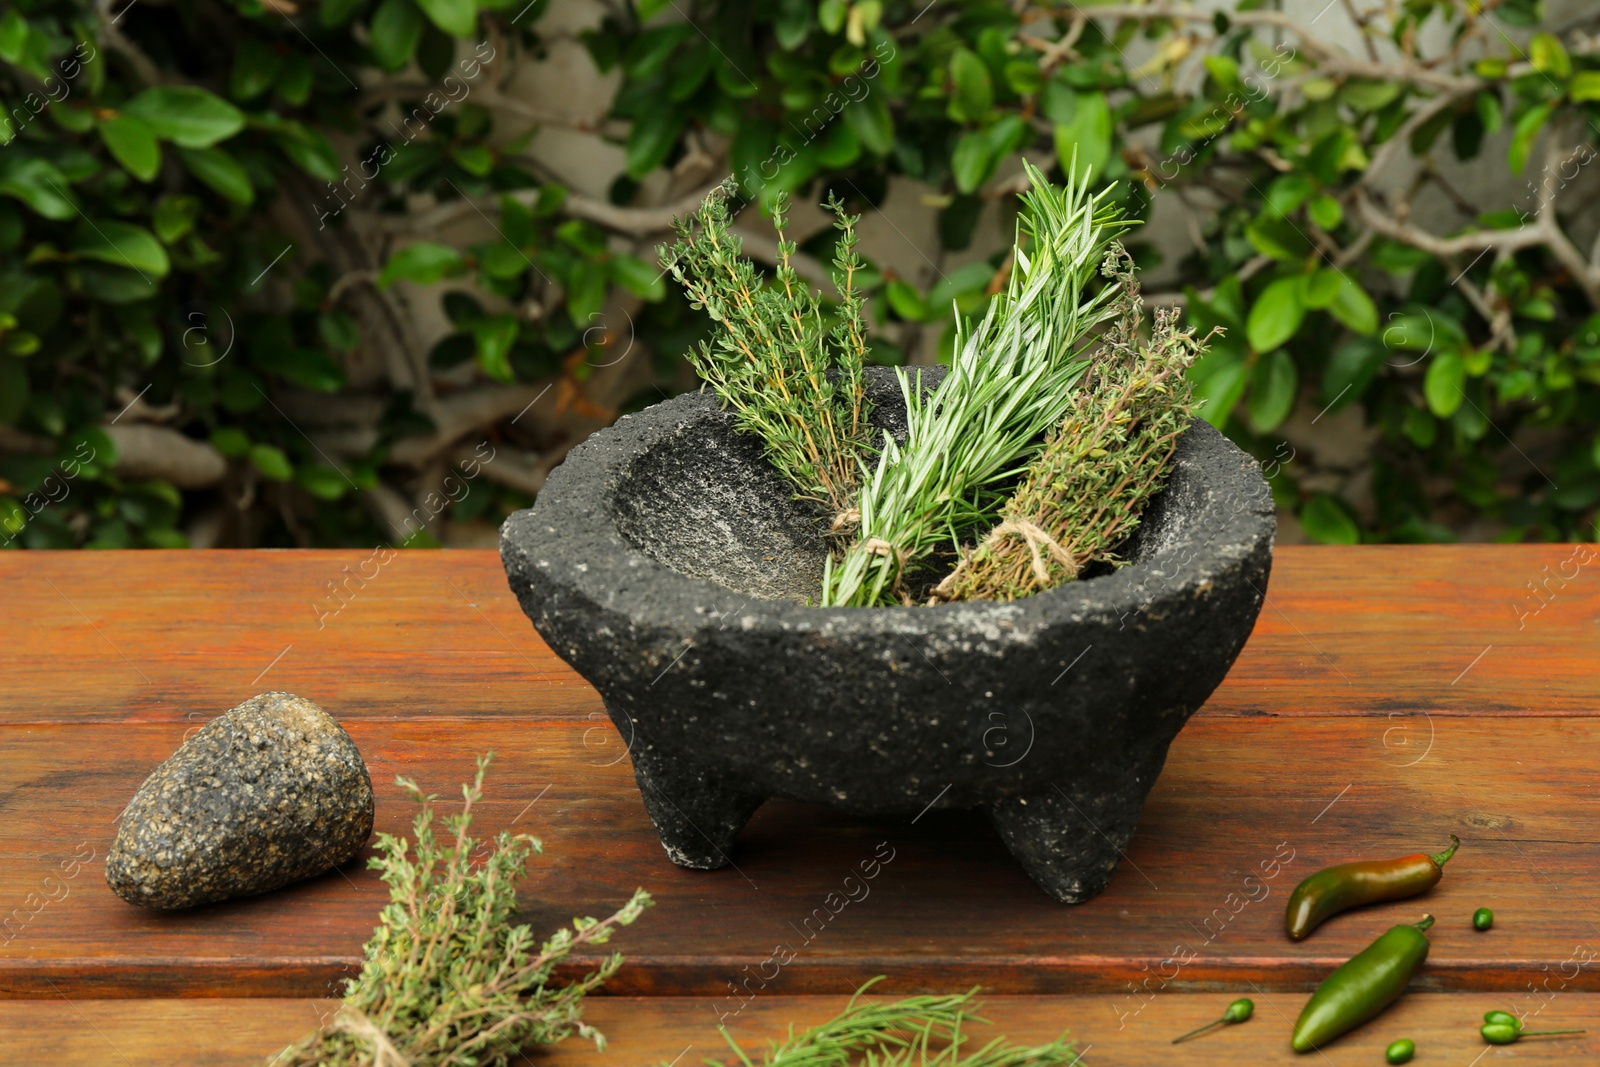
(181, 636)
(658, 1030)
(947, 908)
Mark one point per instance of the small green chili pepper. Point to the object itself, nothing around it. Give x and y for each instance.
(1237, 1012)
(1362, 987)
(1509, 1033)
(1349, 885)
(1401, 1051)
(1482, 919)
(1504, 1018)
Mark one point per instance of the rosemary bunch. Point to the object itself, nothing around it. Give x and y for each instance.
(1011, 380)
(921, 1031)
(447, 980)
(789, 378)
(1083, 494)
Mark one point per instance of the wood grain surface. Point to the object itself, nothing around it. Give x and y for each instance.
(1388, 696)
(655, 1031)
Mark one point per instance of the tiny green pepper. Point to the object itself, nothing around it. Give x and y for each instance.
(1503, 1017)
(1362, 987)
(1510, 1033)
(1350, 885)
(1237, 1012)
(1482, 919)
(1401, 1051)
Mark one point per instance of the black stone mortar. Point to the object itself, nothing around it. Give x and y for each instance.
(666, 562)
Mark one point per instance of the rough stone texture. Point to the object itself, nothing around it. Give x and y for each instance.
(665, 562)
(269, 793)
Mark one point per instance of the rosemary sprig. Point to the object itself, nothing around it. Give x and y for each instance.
(1012, 379)
(788, 378)
(1084, 493)
(921, 1031)
(448, 981)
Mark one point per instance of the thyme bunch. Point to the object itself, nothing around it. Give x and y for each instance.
(1084, 493)
(920, 1031)
(787, 376)
(1011, 380)
(447, 979)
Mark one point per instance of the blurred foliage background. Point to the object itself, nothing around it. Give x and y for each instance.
(314, 272)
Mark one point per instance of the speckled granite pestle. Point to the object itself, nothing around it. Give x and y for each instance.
(272, 792)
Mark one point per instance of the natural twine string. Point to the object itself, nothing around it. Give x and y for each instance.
(353, 1021)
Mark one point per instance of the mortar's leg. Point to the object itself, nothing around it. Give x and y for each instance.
(696, 816)
(1068, 846)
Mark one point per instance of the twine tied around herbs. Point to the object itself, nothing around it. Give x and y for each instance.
(354, 1022)
(1035, 537)
(846, 518)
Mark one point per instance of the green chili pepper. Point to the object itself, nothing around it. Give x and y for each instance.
(1503, 1018)
(1482, 919)
(1237, 1012)
(1362, 987)
(1507, 1033)
(1349, 885)
(1401, 1051)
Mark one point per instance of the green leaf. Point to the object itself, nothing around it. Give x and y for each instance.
(1354, 307)
(458, 18)
(495, 336)
(132, 143)
(38, 184)
(1325, 519)
(974, 94)
(1369, 94)
(586, 292)
(1088, 134)
(324, 483)
(174, 216)
(1275, 236)
(271, 462)
(123, 245)
(872, 123)
(393, 33)
(475, 159)
(1325, 211)
(1442, 387)
(1276, 315)
(186, 115)
(1548, 57)
(1288, 192)
(971, 161)
(1585, 86)
(638, 277)
(255, 68)
(309, 368)
(338, 331)
(1273, 383)
(1321, 288)
(1527, 129)
(651, 140)
(906, 301)
(309, 150)
(1218, 380)
(13, 36)
(231, 442)
(831, 13)
(338, 12)
(1350, 370)
(219, 170)
(424, 263)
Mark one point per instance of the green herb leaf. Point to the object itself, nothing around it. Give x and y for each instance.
(186, 115)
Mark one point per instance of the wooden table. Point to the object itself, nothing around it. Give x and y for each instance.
(1388, 696)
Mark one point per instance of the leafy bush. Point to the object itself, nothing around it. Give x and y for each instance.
(225, 226)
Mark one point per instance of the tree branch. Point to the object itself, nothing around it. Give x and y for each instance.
(145, 451)
(456, 415)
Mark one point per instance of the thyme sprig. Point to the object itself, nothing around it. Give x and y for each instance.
(1011, 380)
(448, 981)
(923, 1031)
(787, 376)
(1084, 493)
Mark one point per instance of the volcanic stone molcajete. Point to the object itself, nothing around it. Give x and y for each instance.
(666, 562)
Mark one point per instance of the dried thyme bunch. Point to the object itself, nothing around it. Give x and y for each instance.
(1083, 494)
(914, 1032)
(1011, 380)
(771, 359)
(447, 979)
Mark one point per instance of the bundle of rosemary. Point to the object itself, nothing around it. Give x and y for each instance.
(447, 980)
(921, 1031)
(1083, 494)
